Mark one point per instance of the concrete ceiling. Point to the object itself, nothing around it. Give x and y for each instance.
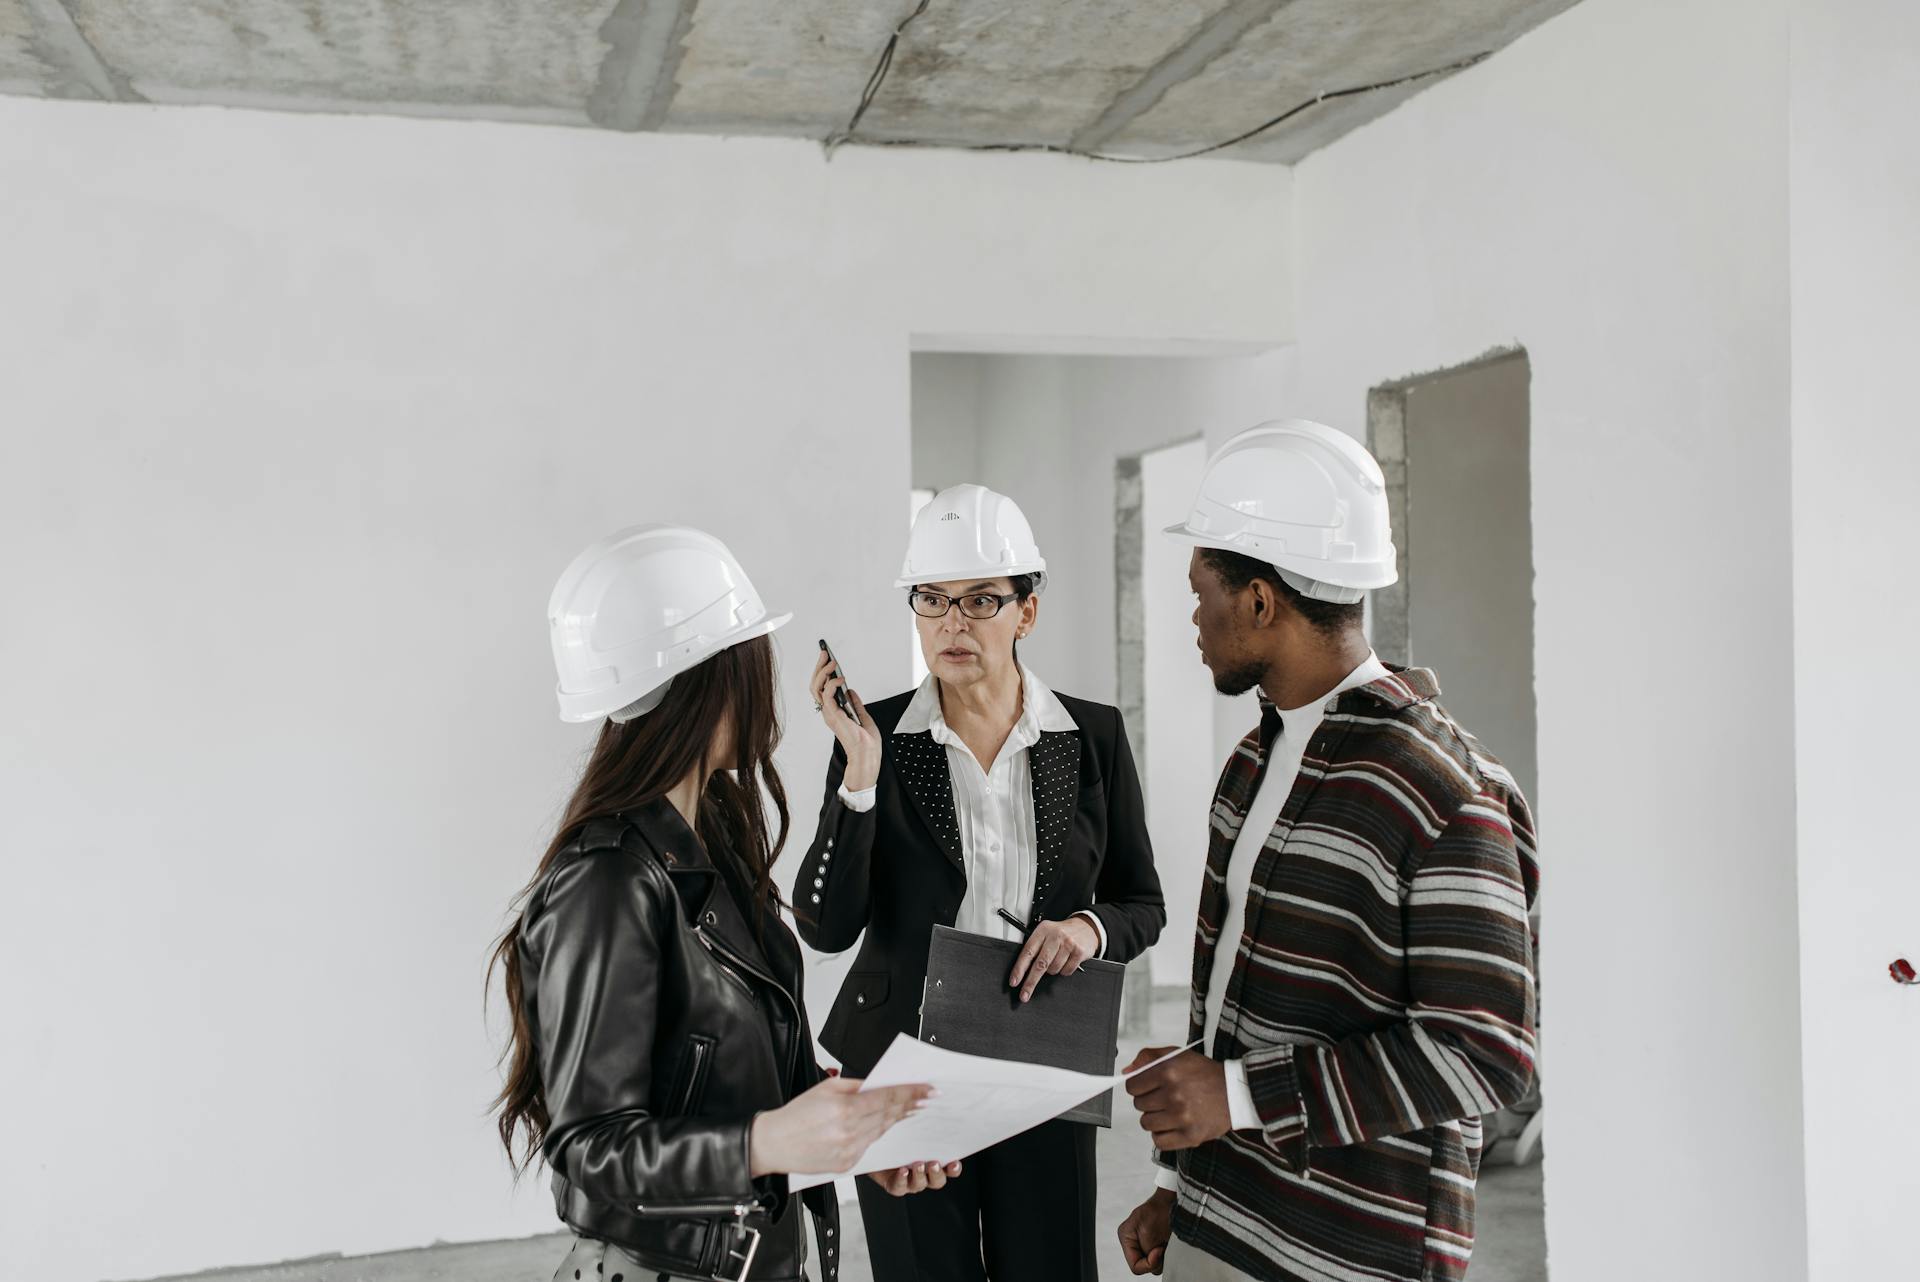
(1137, 78)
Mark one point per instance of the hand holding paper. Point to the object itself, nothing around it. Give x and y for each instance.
(1182, 1098)
(828, 1125)
(917, 1178)
(977, 1103)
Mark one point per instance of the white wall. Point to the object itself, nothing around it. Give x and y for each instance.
(303, 416)
(1610, 191)
(1179, 770)
(1049, 430)
(946, 421)
(1856, 529)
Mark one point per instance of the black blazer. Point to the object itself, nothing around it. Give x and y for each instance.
(897, 870)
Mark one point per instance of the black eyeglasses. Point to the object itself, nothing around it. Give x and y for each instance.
(975, 605)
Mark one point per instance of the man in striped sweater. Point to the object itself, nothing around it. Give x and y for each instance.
(1363, 978)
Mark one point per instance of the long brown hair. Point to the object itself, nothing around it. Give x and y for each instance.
(638, 762)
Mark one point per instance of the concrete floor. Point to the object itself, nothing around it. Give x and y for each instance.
(1511, 1245)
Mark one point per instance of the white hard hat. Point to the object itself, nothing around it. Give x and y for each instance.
(1305, 498)
(970, 532)
(640, 607)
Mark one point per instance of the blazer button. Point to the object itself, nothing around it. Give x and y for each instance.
(711, 918)
(860, 999)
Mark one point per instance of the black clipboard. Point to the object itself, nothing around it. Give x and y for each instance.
(1072, 1021)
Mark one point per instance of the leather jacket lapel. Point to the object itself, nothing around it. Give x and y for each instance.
(1054, 768)
(709, 905)
(922, 766)
(691, 872)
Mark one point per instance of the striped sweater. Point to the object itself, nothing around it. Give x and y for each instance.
(1382, 998)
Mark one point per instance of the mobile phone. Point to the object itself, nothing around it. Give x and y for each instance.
(839, 696)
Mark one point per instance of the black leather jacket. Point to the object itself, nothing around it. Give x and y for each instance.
(661, 1026)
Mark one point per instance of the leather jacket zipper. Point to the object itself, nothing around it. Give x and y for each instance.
(698, 1048)
(693, 1210)
(721, 951)
(733, 976)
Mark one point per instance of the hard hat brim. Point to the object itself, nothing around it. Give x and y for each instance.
(973, 572)
(577, 710)
(1303, 566)
(766, 627)
(1186, 535)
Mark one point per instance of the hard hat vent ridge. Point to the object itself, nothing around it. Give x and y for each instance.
(1305, 498)
(638, 608)
(969, 531)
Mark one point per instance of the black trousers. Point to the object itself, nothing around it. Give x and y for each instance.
(1021, 1211)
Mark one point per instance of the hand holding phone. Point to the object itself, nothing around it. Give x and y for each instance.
(857, 735)
(840, 698)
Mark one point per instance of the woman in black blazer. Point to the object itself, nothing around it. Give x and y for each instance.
(985, 801)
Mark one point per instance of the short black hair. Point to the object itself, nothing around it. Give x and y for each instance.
(1237, 571)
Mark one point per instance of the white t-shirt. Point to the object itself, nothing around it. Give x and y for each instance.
(1283, 769)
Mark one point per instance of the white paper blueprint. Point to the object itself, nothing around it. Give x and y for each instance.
(980, 1102)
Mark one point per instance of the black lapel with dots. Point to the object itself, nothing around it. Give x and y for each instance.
(922, 766)
(1054, 764)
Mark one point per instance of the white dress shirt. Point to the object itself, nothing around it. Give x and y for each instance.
(1283, 769)
(999, 845)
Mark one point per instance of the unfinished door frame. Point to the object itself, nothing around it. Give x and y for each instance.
(1130, 615)
(1130, 662)
(1389, 626)
(1130, 683)
(1389, 619)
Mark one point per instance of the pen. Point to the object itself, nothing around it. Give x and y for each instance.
(1011, 920)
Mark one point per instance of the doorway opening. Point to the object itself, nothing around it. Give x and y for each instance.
(1166, 693)
(1101, 452)
(1455, 447)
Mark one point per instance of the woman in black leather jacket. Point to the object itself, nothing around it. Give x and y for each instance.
(661, 1060)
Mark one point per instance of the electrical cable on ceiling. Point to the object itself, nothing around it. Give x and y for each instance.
(1285, 116)
(878, 78)
(885, 65)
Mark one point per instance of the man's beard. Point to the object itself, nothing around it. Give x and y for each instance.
(1239, 680)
